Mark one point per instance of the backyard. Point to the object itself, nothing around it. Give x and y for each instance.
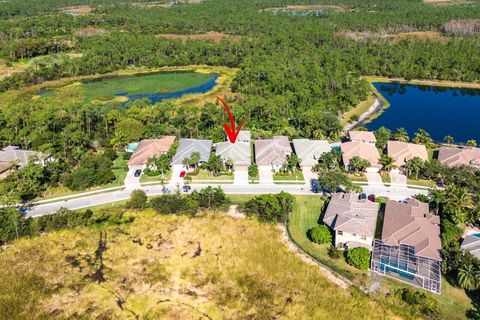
(453, 302)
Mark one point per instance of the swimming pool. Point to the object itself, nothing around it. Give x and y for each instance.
(132, 147)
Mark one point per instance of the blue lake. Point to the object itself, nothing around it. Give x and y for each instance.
(440, 111)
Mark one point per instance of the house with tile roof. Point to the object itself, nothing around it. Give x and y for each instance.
(363, 136)
(453, 156)
(410, 245)
(402, 152)
(187, 147)
(149, 148)
(309, 151)
(272, 153)
(239, 153)
(352, 220)
(14, 156)
(362, 150)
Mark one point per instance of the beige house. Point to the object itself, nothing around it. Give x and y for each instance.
(352, 220)
(363, 136)
(410, 246)
(272, 153)
(401, 152)
(309, 151)
(149, 148)
(362, 150)
(452, 156)
(239, 153)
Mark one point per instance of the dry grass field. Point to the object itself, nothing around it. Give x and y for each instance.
(170, 267)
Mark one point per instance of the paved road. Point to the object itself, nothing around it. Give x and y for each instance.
(110, 197)
(394, 193)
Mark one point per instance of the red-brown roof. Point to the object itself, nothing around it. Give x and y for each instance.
(412, 224)
(150, 148)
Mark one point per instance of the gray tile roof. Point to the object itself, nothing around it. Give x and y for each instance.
(12, 154)
(244, 135)
(238, 152)
(309, 151)
(346, 212)
(189, 146)
(471, 243)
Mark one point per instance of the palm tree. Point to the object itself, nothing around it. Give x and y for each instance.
(358, 164)
(293, 162)
(448, 139)
(401, 135)
(459, 203)
(472, 143)
(414, 165)
(468, 275)
(423, 137)
(195, 158)
(317, 134)
(438, 196)
(186, 162)
(386, 161)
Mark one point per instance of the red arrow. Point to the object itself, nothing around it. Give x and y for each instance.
(232, 133)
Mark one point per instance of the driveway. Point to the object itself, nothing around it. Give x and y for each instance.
(240, 175)
(132, 182)
(398, 178)
(266, 175)
(308, 174)
(374, 178)
(176, 176)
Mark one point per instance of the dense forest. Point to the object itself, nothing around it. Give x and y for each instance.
(296, 74)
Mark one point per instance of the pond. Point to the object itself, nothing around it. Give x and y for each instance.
(440, 111)
(122, 89)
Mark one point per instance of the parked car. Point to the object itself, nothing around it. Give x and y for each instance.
(187, 188)
(182, 174)
(362, 196)
(372, 197)
(137, 173)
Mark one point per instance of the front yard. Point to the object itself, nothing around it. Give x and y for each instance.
(296, 177)
(205, 175)
(166, 177)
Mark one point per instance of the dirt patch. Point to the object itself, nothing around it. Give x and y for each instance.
(411, 35)
(5, 70)
(80, 10)
(90, 32)
(312, 7)
(215, 36)
(160, 4)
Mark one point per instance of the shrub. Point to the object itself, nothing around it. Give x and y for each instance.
(210, 197)
(174, 204)
(138, 200)
(270, 207)
(110, 153)
(127, 155)
(359, 258)
(320, 234)
(151, 173)
(333, 252)
(421, 303)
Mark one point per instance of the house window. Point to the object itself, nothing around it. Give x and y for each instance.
(364, 238)
(340, 233)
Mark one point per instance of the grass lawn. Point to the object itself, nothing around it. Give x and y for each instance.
(421, 182)
(385, 177)
(298, 176)
(205, 175)
(306, 215)
(357, 111)
(171, 267)
(453, 302)
(166, 177)
(361, 178)
(145, 83)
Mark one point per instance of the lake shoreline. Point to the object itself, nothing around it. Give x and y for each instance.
(433, 83)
